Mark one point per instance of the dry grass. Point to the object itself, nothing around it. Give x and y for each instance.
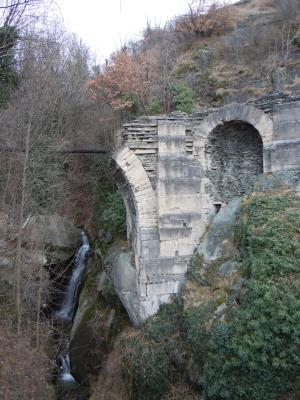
(255, 7)
(24, 371)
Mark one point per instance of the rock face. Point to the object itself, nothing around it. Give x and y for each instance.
(123, 276)
(218, 239)
(98, 318)
(53, 234)
(215, 272)
(46, 240)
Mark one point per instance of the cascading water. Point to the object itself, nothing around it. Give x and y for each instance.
(63, 361)
(68, 308)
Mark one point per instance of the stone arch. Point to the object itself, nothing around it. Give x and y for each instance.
(140, 201)
(137, 180)
(244, 113)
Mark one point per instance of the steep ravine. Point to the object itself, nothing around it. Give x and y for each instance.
(99, 319)
(233, 331)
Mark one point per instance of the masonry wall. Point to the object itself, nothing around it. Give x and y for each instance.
(234, 153)
(176, 169)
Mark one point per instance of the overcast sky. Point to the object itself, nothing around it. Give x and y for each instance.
(106, 24)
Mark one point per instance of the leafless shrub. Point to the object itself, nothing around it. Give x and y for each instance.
(288, 10)
(206, 18)
(24, 370)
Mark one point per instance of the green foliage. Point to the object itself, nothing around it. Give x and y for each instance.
(163, 326)
(148, 370)
(149, 359)
(114, 216)
(109, 207)
(196, 330)
(154, 107)
(256, 356)
(253, 354)
(136, 108)
(182, 98)
(296, 41)
(193, 272)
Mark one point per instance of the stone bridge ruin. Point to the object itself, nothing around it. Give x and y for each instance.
(176, 172)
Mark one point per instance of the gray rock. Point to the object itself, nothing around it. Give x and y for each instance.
(272, 182)
(124, 273)
(105, 236)
(108, 238)
(219, 233)
(228, 267)
(56, 234)
(124, 278)
(227, 214)
(103, 282)
(221, 309)
(111, 320)
(238, 290)
(4, 262)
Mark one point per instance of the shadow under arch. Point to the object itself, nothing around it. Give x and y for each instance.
(245, 114)
(234, 158)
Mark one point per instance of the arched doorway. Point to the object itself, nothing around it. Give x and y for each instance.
(234, 152)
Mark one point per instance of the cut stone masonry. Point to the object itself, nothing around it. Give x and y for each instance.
(176, 172)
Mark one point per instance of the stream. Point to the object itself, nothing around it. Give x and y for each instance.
(66, 313)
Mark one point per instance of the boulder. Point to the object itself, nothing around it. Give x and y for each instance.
(4, 262)
(215, 273)
(217, 240)
(124, 278)
(88, 341)
(54, 235)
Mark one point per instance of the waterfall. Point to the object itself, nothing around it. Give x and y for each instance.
(67, 309)
(63, 361)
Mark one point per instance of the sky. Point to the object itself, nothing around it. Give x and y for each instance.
(104, 25)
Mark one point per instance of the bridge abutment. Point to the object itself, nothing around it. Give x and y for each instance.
(175, 173)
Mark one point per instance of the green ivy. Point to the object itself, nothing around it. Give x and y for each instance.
(256, 356)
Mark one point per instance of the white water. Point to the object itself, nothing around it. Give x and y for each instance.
(67, 309)
(65, 376)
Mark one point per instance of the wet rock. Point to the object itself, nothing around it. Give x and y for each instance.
(88, 342)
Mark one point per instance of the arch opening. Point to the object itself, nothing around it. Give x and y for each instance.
(128, 200)
(234, 153)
